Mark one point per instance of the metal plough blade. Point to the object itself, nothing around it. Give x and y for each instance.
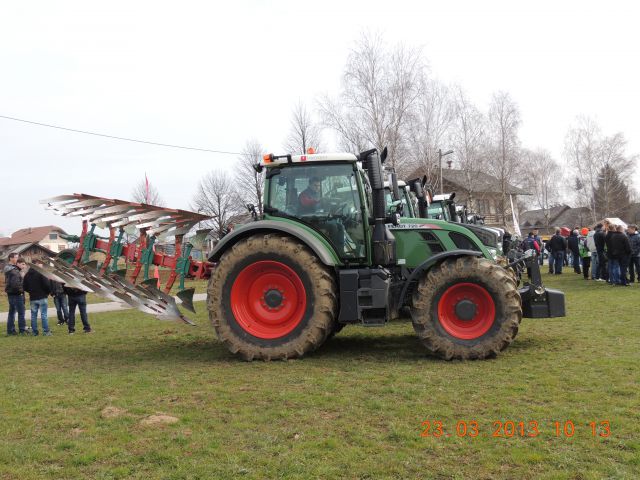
(87, 278)
(186, 297)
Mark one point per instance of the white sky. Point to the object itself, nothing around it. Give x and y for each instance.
(215, 74)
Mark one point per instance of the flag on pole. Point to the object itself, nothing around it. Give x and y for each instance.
(516, 227)
(146, 183)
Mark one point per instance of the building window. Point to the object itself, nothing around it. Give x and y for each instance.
(53, 236)
(483, 206)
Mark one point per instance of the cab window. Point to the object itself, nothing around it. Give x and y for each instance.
(325, 197)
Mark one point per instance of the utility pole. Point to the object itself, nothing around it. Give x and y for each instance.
(440, 156)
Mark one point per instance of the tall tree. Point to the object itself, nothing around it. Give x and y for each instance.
(248, 181)
(428, 128)
(600, 164)
(380, 86)
(304, 133)
(542, 180)
(504, 122)
(216, 196)
(469, 141)
(139, 194)
(611, 194)
(581, 146)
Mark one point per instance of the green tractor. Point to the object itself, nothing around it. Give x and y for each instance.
(328, 252)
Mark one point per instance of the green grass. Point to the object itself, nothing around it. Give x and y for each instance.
(353, 409)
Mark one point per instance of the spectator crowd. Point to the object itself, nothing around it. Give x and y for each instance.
(605, 253)
(20, 279)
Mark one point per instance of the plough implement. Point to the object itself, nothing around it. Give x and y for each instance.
(153, 224)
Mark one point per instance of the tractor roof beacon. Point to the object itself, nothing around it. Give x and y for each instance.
(329, 251)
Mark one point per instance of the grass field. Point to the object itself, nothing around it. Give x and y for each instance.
(82, 406)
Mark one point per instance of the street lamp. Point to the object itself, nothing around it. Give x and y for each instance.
(440, 156)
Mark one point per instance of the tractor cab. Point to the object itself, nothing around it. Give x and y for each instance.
(405, 198)
(323, 192)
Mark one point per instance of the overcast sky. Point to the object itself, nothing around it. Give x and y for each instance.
(215, 74)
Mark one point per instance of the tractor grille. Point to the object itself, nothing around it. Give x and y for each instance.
(487, 237)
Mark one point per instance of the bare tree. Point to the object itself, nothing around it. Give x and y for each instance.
(581, 147)
(600, 166)
(304, 132)
(469, 141)
(612, 196)
(379, 88)
(216, 196)
(139, 194)
(504, 122)
(248, 181)
(428, 129)
(542, 179)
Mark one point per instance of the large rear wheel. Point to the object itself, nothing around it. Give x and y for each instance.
(270, 297)
(466, 308)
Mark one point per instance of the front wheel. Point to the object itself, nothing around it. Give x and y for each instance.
(270, 297)
(466, 308)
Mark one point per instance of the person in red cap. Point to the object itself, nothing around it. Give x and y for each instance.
(585, 253)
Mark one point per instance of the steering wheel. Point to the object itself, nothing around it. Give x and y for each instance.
(338, 209)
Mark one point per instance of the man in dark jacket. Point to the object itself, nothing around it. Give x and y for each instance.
(39, 289)
(634, 260)
(77, 298)
(60, 301)
(573, 242)
(620, 252)
(557, 247)
(15, 294)
(598, 239)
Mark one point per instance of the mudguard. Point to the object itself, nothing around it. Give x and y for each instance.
(323, 250)
(430, 262)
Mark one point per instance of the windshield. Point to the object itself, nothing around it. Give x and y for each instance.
(437, 211)
(324, 197)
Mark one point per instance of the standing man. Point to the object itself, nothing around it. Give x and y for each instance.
(634, 261)
(558, 247)
(591, 245)
(15, 294)
(39, 289)
(624, 255)
(599, 241)
(585, 254)
(536, 237)
(77, 298)
(60, 301)
(574, 247)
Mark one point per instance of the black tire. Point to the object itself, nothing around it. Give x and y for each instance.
(238, 334)
(480, 275)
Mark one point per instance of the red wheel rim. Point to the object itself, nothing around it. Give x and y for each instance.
(470, 294)
(268, 299)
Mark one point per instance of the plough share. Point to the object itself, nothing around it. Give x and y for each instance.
(153, 223)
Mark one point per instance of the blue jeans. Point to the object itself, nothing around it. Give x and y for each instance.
(634, 269)
(575, 259)
(42, 306)
(558, 260)
(614, 271)
(594, 266)
(62, 307)
(81, 302)
(16, 304)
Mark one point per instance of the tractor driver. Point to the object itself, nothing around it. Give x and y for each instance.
(309, 201)
(310, 198)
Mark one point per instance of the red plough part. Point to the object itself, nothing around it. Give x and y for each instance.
(152, 223)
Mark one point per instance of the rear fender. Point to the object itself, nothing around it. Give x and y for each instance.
(428, 265)
(325, 252)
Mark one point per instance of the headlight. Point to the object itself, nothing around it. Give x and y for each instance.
(493, 252)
